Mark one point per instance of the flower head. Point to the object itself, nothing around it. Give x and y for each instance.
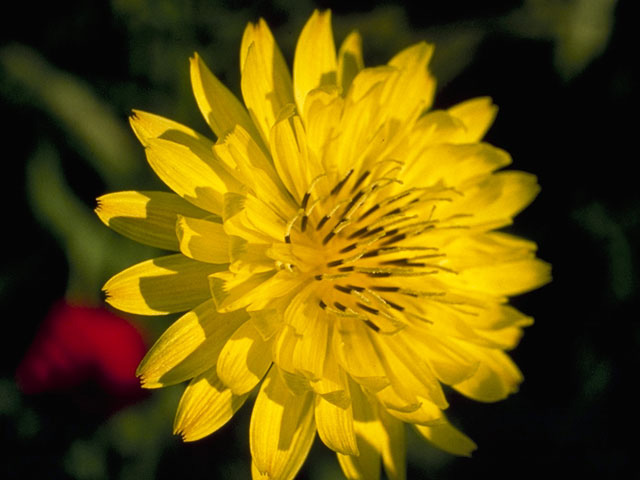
(336, 243)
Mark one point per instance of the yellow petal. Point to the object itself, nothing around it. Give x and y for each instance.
(334, 383)
(449, 361)
(486, 249)
(369, 432)
(335, 427)
(322, 112)
(393, 446)
(149, 125)
(496, 377)
(162, 285)
(231, 291)
(189, 347)
(314, 63)
(253, 292)
(244, 359)
(453, 165)
(493, 201)
(448, 438)
(254, 166)
(146, 217)
(477, 115)
(220, 108)
(410, 376)
(505, 338)
(282, 429)
(266, 81)
(264, 219)
(497, 316)
(192, 170)
(295, 166)
(353, 346)
(311, 332)
(350, 60)
(511, 278)
(205, 406)
(428, 413)
(266, 321)
(412, 90)
(202, 240)
(360, 124)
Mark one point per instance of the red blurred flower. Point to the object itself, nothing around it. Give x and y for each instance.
(80, 345)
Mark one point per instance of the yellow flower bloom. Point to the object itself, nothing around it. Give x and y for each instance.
(336, 243)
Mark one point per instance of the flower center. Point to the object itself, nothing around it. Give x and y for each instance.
(359, 235)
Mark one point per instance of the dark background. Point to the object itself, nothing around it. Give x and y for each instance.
(560, 71)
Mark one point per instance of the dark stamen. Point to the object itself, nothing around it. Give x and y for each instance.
(321, 223)
(287, 238)
(342, 289)
(394, 305)
(384, 288)
(303, 226)
(341, 183)
(349, 248)
(305, 200)
(340, 306)
(346, 269)
(329, 236)
(322, 305)
(357, 233)
(397, 238)
(373, 311)
(393, 212)
(369, 212)
(404, 262)
(353, 201)
(373, 232)
(318, 277)
(360, 180)
(356, 288)
(372, 326)
(335, 263)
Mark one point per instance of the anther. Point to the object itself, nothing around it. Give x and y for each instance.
(357, 233)
(341, 183)
(322, 304)
(334, 263)
(384, 288)
(397, 238)
(372, 326)
(394, 305)
(322, 221)
(360, 180)
(305, 200)
(346, 249)
(342, 289)
(369, 212)
(372, 232)
(371, 310)
(328, 237)
(356, 288)
(339, 306)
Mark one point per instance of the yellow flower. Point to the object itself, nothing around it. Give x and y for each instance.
(337, 243)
